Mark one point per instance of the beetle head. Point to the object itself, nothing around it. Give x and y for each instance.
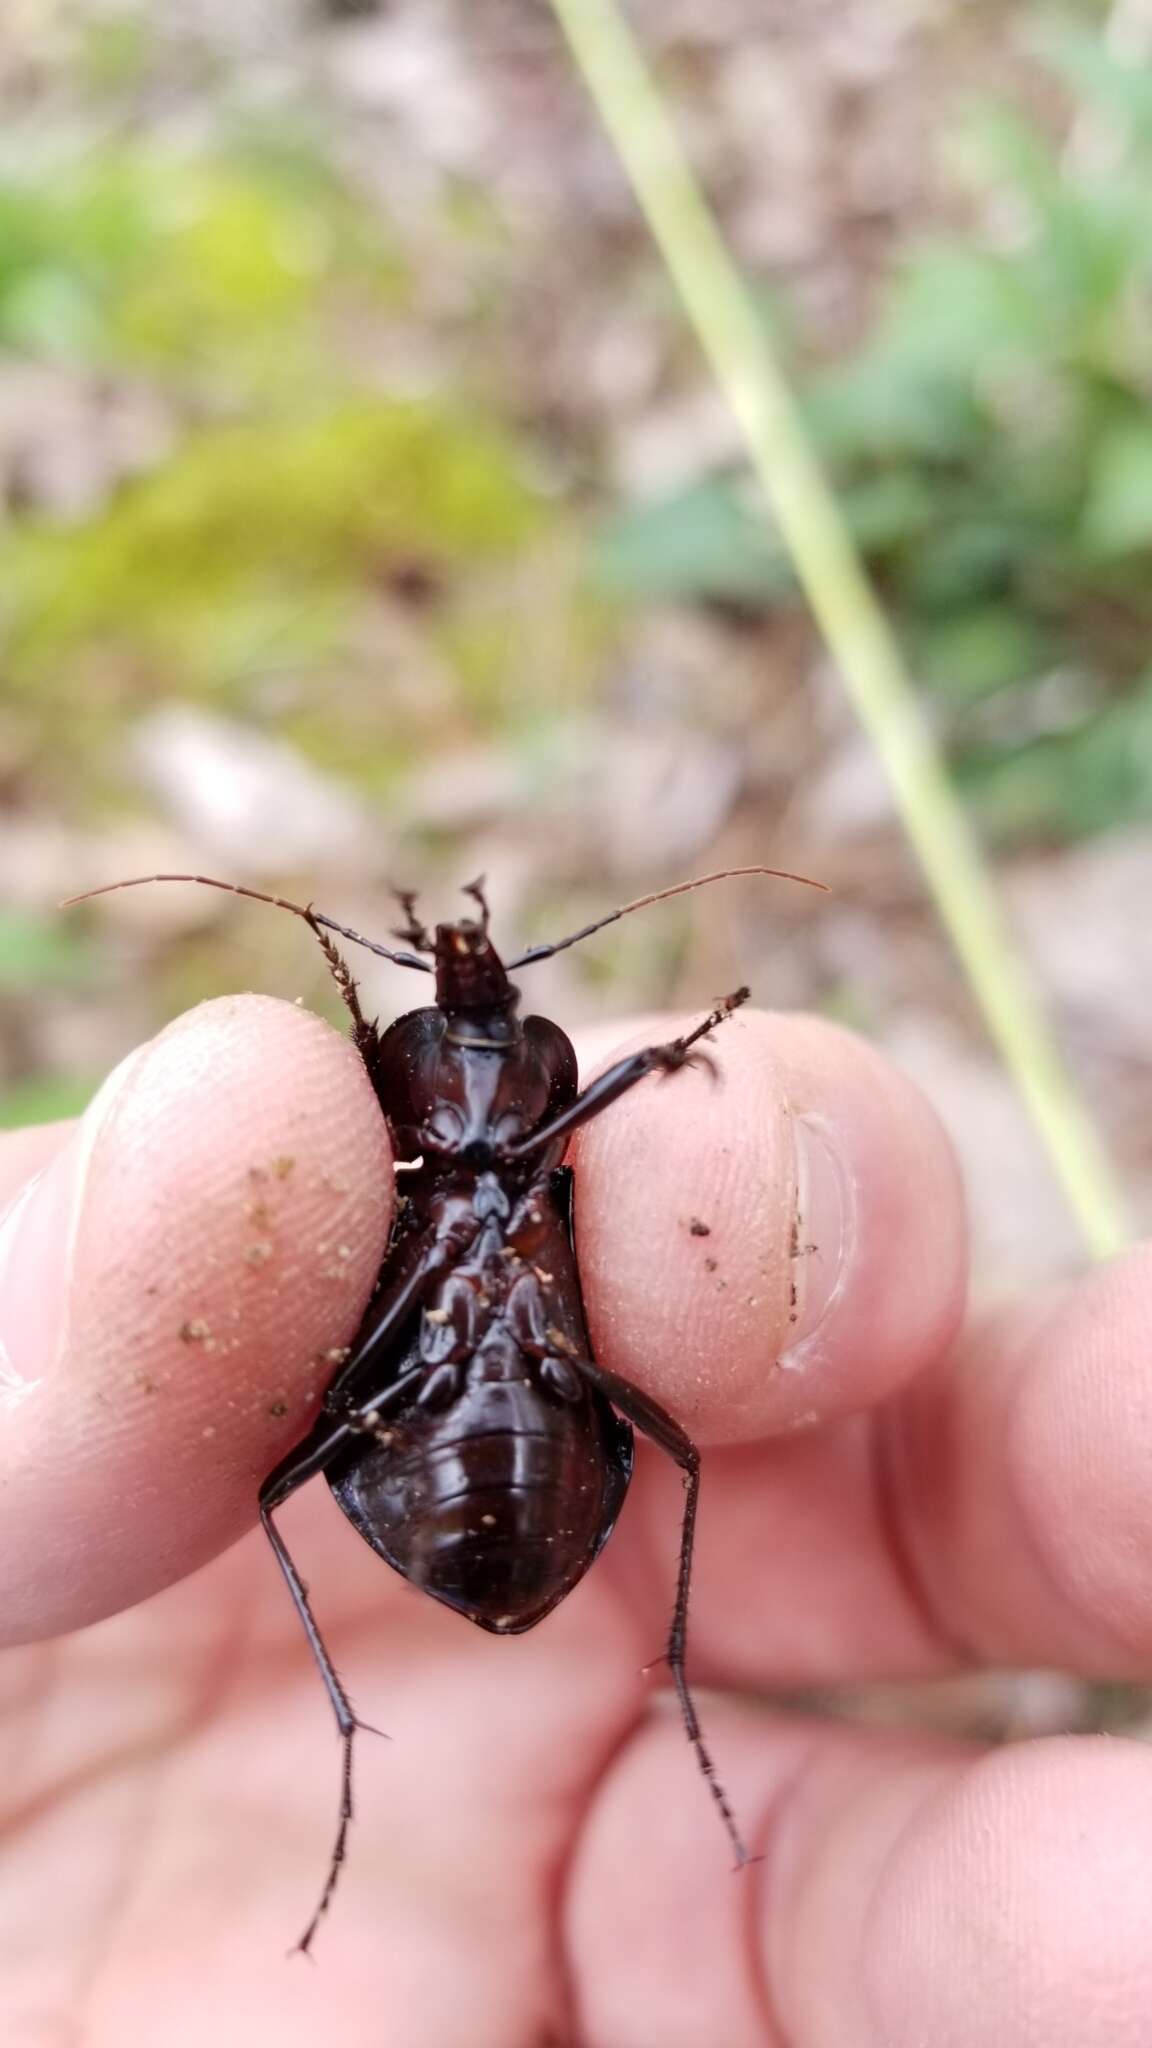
(470, 974)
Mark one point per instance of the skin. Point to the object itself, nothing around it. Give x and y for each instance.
(535, 1860)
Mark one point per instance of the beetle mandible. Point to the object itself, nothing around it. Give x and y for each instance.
(469, 1435)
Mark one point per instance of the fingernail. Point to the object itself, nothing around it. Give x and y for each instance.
(824, 1234)
(38, 1236)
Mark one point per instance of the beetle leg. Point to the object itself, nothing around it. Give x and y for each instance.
(654, 1422)
(441, 1387)
(302, 1464)
(385, 1316)
(276, 1489)
(624, 1075)
(450, 1332)
(525, 1317)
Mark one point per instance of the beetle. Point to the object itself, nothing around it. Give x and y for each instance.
(469, 1435)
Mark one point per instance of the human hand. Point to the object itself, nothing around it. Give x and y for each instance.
(534, 1859)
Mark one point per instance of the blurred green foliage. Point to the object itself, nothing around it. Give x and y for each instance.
(40, 953)
(243, 287)
(265, 522)
(217, 269)
(249, 550)
(44, 1099)
(992, 445)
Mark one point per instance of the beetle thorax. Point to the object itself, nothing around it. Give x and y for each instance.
(477, 1100)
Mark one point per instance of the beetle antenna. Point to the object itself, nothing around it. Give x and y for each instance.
(657, 896)
(306, 911)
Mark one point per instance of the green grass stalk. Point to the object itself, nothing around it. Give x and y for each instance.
(844, 604)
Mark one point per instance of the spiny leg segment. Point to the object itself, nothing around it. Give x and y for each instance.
(618, 1079)
(365, 1035)
(641, 1410)
(325, 1441)
(346, 1719)
(659, 1427)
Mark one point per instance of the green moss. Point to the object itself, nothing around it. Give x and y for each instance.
(216, 268)
(260, 566)
(248, 547)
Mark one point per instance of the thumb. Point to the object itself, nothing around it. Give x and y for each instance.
(169, 1286)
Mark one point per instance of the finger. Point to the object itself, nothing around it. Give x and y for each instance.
(997, 1510)
(911, 1892)
(27, 1152)
(170, 1286)
(1018, 1479)
(776, 1242)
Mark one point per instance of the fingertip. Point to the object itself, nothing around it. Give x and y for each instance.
(1013, 1907)
(656, 1921)
(24, 1153)
(912, 1890)
(1020, 1474)
(172, 1285)
(669, 1943)
(774, 1244)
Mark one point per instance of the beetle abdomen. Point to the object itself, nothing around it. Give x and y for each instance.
(496, 1506)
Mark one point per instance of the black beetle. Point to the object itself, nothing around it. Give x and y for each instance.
(469, 1435)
